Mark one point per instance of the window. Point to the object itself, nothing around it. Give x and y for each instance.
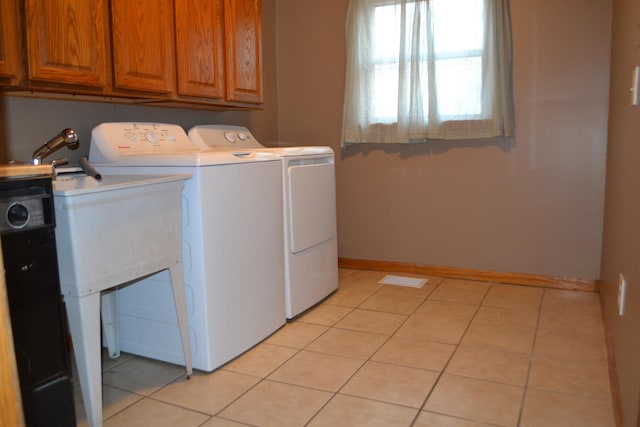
(427, 69)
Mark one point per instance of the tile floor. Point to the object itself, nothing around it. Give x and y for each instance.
(453, 353)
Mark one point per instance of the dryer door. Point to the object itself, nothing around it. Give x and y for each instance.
(312, 204)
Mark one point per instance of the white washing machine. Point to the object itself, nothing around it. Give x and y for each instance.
(309, 197)
(232, 245)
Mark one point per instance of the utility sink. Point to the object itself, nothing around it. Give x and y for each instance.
(116, 229)
(111, 232)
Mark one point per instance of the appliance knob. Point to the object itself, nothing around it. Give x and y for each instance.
(230, 136)
(131, 136)
(18, 215)
(152, 137)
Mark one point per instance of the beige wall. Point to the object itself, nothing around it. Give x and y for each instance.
(531, 204)
(621, 242)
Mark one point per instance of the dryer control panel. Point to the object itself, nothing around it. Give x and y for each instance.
(111, 141)
(222, 137)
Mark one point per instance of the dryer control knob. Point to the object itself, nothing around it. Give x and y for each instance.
(230, 136)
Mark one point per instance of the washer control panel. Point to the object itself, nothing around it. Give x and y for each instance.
(110, 141)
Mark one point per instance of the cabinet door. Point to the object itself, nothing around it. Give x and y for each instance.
(244, 50)
(200, 47)
(66, 41)
(9, 59)
(142, 32)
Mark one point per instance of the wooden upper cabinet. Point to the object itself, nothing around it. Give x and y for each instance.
(9, 50)
(66, 41)
(244, 50)
(200, 47)
(142, 44)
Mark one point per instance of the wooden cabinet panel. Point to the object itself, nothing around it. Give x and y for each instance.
(200, 52)
(244, 50)
(9, 51)
(66, 41)
(200, 47)
(142, 33)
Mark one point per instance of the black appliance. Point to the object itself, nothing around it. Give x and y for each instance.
(27, 230)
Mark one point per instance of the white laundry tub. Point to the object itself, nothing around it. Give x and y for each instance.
(110, 232)
(116, 229)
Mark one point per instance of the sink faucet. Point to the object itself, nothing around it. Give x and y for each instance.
(67, 137)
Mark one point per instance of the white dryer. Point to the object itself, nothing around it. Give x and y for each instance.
(309, 197)
(232, 245)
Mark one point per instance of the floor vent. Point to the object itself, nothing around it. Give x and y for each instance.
(411, 282)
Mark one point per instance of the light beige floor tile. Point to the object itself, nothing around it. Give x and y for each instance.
(407, 291)
(148, 412)
(563, 300)
(433, 280)
(429, 419)
(514, 297)
(477, 400)
(499, 337)
(392, 303)
(544, 409)
(356, 412)
(374, 322)
(566, 346)
(521, 318)
(363, 280)
(114, 400)
(570, 321)
(343, 273)
(447, 310)
(296, 334)
(221, 422)
(430, 327)
(351, 296)
(317, 370)
(325, 314)
(206, 392)
(261, 360)
(391, 383)
(498, 366)
(368, 274)
(275, 404)
(438, 321)
(415, 353)
(141, 375)
(460, 291)
(571, 377)
(348, 343)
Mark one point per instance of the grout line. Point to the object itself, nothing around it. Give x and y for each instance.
(530, 368)
(444, 368)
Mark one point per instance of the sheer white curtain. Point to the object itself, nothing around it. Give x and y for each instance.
(427, 69)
